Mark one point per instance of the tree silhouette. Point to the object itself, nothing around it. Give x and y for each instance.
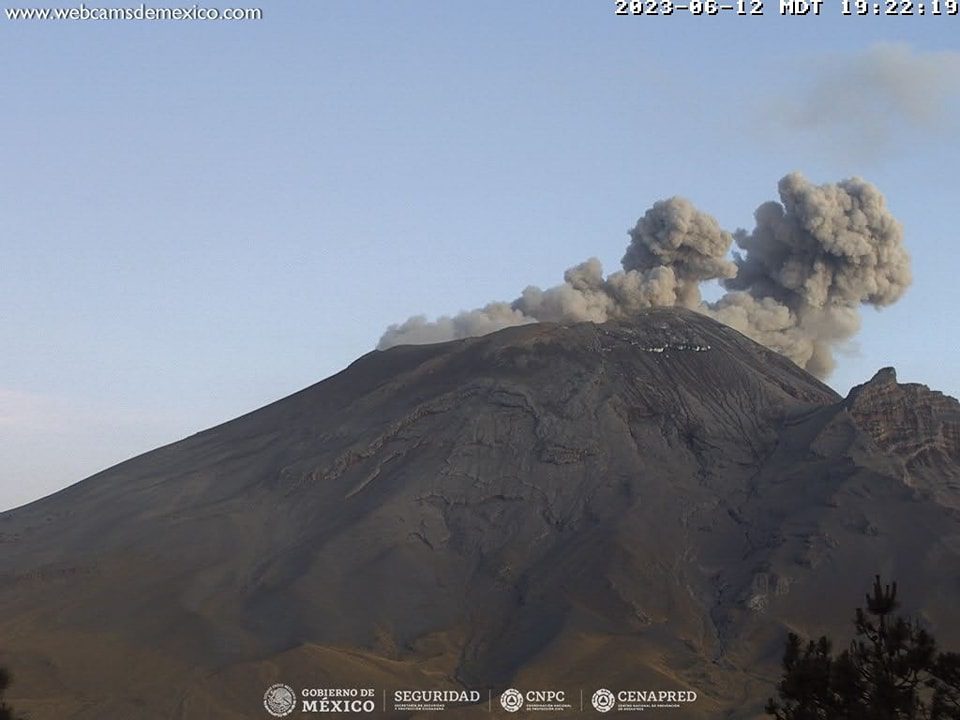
(892, 671)
(6, 712)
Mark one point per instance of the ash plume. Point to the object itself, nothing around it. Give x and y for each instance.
(795, 284)
(862, 104)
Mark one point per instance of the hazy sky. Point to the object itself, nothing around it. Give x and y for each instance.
(199, 218)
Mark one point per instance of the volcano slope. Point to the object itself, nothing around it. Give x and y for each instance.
(644, 504)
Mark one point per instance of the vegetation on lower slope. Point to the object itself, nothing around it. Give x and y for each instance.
(892, 671)
(6, 712)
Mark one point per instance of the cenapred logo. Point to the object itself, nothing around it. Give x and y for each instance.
(279, 700)
(603, 700)
(511, 700)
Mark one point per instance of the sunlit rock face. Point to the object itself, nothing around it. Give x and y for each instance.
(917, 426)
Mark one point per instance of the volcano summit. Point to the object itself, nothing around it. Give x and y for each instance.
(643, 504)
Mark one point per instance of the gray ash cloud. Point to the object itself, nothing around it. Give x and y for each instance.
(795, 283)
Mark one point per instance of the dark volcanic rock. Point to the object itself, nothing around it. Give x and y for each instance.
(630, 505)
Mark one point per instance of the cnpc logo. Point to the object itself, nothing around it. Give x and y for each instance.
(513, 700)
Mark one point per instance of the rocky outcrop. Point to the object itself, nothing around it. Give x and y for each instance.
(917, 426)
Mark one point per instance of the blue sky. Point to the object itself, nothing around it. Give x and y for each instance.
(199, 218)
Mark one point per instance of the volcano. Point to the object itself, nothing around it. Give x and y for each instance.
(643, 504)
